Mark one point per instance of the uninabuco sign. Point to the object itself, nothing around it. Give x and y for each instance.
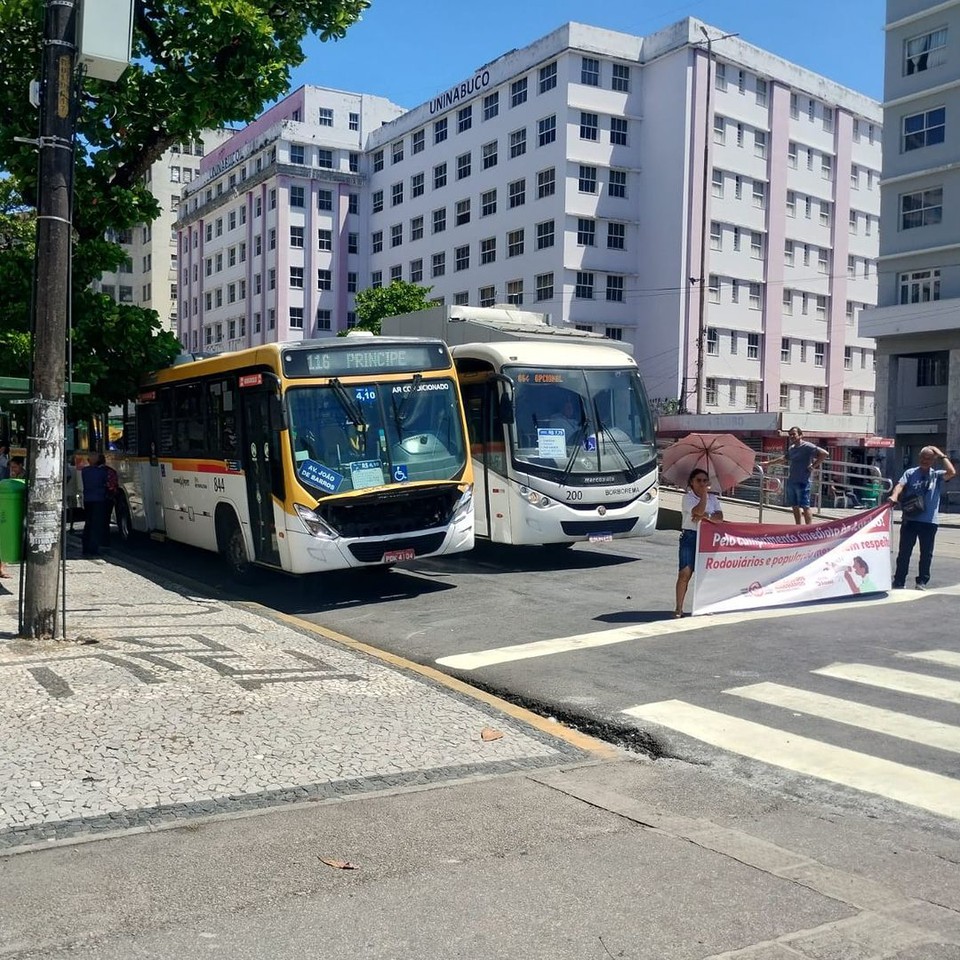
(455, 94)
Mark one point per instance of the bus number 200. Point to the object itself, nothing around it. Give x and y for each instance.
(574, 495)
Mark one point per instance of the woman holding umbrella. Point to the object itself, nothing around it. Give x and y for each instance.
(699, 504)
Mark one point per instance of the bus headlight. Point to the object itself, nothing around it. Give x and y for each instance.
(535, 499)
(313, 524)
(649, 494)
(464, 505)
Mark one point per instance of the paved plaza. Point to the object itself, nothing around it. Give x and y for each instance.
(165, 706)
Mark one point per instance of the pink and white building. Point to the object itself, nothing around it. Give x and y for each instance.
(569, 177)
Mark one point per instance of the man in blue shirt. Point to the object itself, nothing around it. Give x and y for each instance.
(803, 457)
(924, 482)
(95, 504)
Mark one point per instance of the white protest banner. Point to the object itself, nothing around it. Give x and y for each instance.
(742, 566)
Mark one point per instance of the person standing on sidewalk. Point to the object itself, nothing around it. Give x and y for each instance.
(95, 504)
(803, 458)
(925, 482)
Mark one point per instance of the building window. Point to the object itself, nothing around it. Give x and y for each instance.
(396, 235)
(353, 203)
(719, 129)
(461, 257)
(491, 105)
(353, 243)
(416, 185)
(439, 176)
(784, 349)
(377, 160)
(440, 220)
(488, 250)
(418, 141)
(713, 288)
(352, 282)
(590, 71)
(713, 341)
(921, 209)
(819, 353)
(296, 238)
(515, 292)
(931, 370)
(464, 165)
(518, 92)
(416, 270)
(718, 183)
(296, 153)
(759, 194)
(586, 232)
(296, 318)
(325, 159)
(438, 264)
(614, 288)
(923, 52)
(488, 153)
(618, 131)
(488, 203)
(710, 391)
(545, 234)
(464, 118)
(440, 130)
(463, 212)
(923, 129)
(396, 194)
(518, 142)
(753, 346)
(296, 278)
(919, 286)
(324, 319)
(546, 130)
(720, 76)
(416, 228)
(518, 193)
(819, 399)
(589, 126)
(376, 241)
(617, 183)
(620, 80)
(487, 296)
(616, 236)
(544, 286)
(587, 182)
(548, 77)
(353, 121)
(584, 287)
(791, 204)
(325, 117)
(515, 243)
(546, 183)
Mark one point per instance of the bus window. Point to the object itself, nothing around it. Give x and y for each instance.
(221, 419)
(166, 420)
(189, 418)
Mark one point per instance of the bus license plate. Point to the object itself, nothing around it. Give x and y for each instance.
(392, 556)
(599, 537)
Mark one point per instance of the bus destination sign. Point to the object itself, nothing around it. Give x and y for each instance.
(337, 361)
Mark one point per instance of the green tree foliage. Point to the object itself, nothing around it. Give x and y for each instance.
(197, 65)
(376, 303)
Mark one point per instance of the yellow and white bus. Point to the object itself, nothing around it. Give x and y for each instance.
(309, 456)
(562, 441)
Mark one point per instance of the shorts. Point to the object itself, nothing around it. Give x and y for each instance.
(797, 493)
(688, 549)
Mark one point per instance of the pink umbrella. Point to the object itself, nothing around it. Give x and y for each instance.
(726, 459)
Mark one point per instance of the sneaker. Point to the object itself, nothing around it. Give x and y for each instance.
(896, 586)
(921, 586)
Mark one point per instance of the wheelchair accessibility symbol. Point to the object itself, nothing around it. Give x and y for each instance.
(400, 474)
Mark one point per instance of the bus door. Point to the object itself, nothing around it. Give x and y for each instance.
(149, 439)
(476, 402)
(260, 409)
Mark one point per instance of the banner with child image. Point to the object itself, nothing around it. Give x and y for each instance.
(742, 566)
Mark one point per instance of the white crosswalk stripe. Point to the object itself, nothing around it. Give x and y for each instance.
(919, 788)
(902, 681)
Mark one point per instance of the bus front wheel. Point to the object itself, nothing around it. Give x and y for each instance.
(234, 549)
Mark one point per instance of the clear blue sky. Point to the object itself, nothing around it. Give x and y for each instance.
(410, 50)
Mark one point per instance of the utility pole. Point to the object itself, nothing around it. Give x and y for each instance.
(702, 279)
(701, 320)
(50, 321)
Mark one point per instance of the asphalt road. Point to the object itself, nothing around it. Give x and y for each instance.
(822, 701)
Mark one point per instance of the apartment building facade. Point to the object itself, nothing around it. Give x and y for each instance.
(917, 321)
(569, 177)
(149, 277)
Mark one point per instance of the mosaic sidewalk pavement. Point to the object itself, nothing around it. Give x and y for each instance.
(181, 706)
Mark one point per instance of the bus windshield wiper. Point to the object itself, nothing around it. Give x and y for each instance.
(577, 437)
(400, 409)
(350, 407)
(602, 432)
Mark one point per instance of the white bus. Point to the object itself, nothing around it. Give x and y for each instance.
(304, 457)
(562, 441)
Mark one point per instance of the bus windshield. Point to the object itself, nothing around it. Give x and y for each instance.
(581, 422)
(353, 436)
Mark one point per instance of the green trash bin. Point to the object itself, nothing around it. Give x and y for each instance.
(13, 501)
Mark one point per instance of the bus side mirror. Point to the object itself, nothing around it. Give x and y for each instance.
(506, 410)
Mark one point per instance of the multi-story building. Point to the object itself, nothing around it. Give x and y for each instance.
(577, 177)
(917, 322)
(149, 276)
(270, 246)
